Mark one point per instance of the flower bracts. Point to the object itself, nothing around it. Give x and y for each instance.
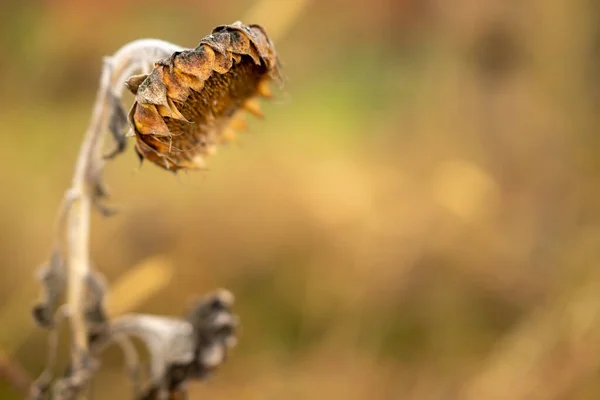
(194, 100)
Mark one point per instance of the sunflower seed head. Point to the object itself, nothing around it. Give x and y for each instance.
(189, 103)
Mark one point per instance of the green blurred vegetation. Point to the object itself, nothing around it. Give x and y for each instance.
(415, 218)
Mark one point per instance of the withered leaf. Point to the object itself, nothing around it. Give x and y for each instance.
(180, 349)
(117, 124)
(54, 279)
(191, 101)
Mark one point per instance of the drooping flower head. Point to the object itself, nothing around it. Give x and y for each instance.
(195, 99)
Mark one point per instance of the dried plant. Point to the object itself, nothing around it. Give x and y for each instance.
(187, 102)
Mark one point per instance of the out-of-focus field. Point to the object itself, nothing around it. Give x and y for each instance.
(415, 218)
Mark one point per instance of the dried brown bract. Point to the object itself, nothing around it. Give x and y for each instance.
(194, 99)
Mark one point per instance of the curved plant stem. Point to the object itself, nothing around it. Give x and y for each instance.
(75, 211)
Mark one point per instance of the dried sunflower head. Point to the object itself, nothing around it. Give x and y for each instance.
(194, 99)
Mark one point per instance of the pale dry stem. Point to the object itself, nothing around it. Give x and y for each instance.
(74, 216)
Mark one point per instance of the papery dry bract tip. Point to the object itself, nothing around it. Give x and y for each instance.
(134, 82)
(191, 101)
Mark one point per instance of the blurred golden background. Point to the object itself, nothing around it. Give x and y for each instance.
(415, 218)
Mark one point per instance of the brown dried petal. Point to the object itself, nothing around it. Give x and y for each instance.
(267, 52)
(242, 41)
(187, 80)
(152, 90)
(239, 43)
(134, 82)
(153, 156)
(171, 111)
(236, 58)
(197, 63)
(260, 45)
(148, 121)
(157, 143)
(223, 62)
(220, 42)
(176, 90)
